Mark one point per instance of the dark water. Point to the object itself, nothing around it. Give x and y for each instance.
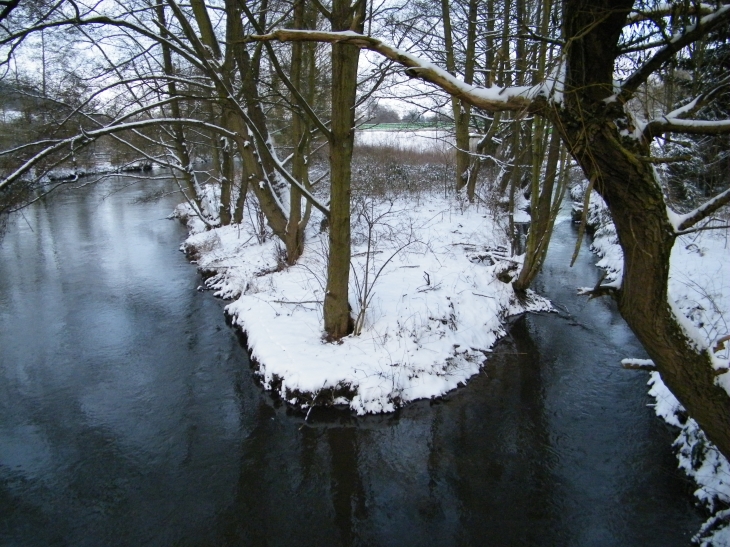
(128, 415)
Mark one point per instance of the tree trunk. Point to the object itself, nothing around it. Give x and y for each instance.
(300, 140)
(591, 127)
(639, 213)
(544, 208)
(337, 320)
(178, 135)
(461, 110)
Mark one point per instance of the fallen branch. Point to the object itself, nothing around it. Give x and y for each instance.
(638, 364)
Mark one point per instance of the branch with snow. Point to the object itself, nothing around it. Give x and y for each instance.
(600, 290)
(667, 9)
(493, 98)
(87, 137)
(682, 223)
(679, 125)
(701, 100)
(638, 364)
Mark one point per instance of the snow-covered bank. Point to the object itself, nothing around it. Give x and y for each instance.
(699, 287)
(699, 458)
(98, 168)
(435, 281)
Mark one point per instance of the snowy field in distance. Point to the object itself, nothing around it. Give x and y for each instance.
(421, 140)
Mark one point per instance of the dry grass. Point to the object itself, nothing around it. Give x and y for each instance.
(387, 171)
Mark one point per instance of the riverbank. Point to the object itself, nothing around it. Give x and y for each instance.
(430, 285)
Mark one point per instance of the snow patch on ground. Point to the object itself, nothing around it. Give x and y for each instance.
(437, 284)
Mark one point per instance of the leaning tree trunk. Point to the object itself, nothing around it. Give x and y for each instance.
(646, 236)
(545, 204)
(592, 128)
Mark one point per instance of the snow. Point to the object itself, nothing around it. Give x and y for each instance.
(522, 206)
(98, 168)
(638, 363)
(436, 307)
(421, 140)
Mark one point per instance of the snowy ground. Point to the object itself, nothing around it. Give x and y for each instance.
(699, 286)
(435, 282)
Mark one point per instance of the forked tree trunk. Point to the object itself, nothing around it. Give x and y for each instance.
(544, 205)
(254, 164)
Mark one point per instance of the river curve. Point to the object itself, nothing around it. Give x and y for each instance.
(129, 415)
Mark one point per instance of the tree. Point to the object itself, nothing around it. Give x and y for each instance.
(160, 46)
(461, 109)
(186, 71)
(378, 113)
(337, 319)
(589, 111)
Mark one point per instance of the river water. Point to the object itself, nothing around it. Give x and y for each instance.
(129, 416)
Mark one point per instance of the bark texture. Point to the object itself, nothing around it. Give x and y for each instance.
(337, 319)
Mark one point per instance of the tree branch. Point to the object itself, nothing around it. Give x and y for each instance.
(665, 10)
(86, 137)
(686, 221)
(10, 5)
(301, 101)
(599, 290)
(701, 100)
(678, 125)
(691, 34)
(493, 98)
(638, 364)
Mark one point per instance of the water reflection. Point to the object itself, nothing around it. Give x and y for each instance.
(128, 415)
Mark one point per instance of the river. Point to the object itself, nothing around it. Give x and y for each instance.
(129, 415)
